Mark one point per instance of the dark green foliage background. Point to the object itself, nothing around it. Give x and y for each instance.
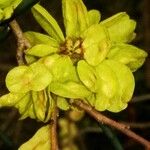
(19, 131)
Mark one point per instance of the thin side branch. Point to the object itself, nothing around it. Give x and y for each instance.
(105, 120)
(22, 42)
(54, 144)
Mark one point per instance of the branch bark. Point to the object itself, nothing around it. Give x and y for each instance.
(22, 42)
(105, 120)
(54, 144)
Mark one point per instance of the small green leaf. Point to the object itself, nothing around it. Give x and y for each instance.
(91, 37)
(70, 17)
(23, 105)
(41, 76)
(49, 61)
(7, 3)
(50, 106)
(75, 17)
(87, 75)
(38, 38)
(96, 53)
(36, 105)
(47, 22)
(82, 12)
(96, 46)
(102, 102)
(32, 113)
(18, 80)
(43, 105)
(62, 103)
(108, 86)
(91, 99)
(39, 104)
(30, 59)
(10, 99)
(26, 107)
(41, 50)
(129, 55)
(120, 27)
(126, 85)
(94, 17)
(116, 103)
(61, 68)
(69, 90)
(21, 101)
(22, 79)
(107, 80)
(40, 141)
(8, 11)
(7, 8)
(15, 3)
(29, 112)
(125, 78)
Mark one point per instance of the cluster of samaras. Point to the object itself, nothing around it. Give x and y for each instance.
(92, 62)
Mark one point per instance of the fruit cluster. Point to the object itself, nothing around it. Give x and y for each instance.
(92, 62)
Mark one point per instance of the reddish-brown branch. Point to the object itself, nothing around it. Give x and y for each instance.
(105, 120)
(22, 42)
(54, 142)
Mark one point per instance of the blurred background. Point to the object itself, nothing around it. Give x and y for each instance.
(89, 134)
